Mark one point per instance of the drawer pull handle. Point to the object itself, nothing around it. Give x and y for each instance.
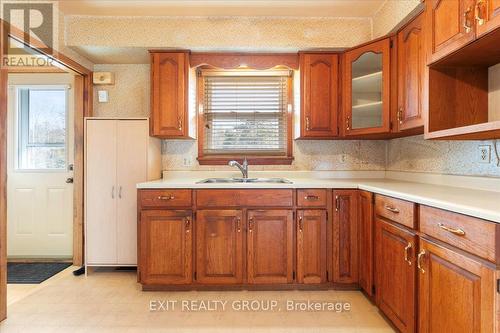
(392, 209)
(337, 203)
(250, 224)
(458, 231)
(419, 261)
(467, 23)
(311, 197)
(301, 224)
(308, 124)
(479, 11)
(187, 222)
(166, 197)
(407, 250)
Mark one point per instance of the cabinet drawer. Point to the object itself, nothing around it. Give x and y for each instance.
(244, 197)
(467, 233)
(396, 210)
(165, 198)
(311, 198)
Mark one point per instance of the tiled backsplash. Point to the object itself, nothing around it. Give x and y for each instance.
(129, 97)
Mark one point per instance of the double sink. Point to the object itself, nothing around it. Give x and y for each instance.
(245, 180)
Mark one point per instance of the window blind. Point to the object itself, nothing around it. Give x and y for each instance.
(245, 114)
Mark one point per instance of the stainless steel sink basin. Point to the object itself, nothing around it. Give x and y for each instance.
(245, 180)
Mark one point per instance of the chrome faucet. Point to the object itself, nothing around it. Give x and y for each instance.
(243, 167)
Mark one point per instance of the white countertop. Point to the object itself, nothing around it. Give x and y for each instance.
(478, 203)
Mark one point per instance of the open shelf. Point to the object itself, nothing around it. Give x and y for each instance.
(370, 83)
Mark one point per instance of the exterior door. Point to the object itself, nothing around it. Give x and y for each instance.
(411, 71)
(311, 246)
(451, 25)
(319, 86)
(270, 246)
(40, 160)
(169, 118)
(487, 16)
(456, 292)
(166, 247)
(366, 236)
(396, 270)
(219, 246)
(345, 236)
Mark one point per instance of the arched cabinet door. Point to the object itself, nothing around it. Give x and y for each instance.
(169, 89)
(319, 95)
(366, 97)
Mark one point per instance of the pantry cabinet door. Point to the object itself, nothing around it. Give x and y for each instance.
(396, 270)
(456, 292)
(311, 246)
(166, 247)
(219, 247)
(270, 246)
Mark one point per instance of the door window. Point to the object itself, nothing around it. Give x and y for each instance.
(42, 129)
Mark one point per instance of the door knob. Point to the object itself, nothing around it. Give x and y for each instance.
(69, 180)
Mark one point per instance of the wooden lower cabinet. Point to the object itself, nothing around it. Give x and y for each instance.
(456, 292)
(311, 246)
(345, 236)
(396, 274)
(219, 247)
(270, 246)
(166, 247)
(366, 236)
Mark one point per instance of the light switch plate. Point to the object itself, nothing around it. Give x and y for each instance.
(102, 96)
(484, 154)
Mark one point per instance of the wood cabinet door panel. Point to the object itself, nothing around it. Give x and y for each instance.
(219, 246)
(446, 20)
(487, 16)
(166, 247)
(395, 266)
(345, 236)
(456, 293)
(311, 246)
(270, 246)
(169, 94)
(366, 235)
(319, 92)
(411, 71)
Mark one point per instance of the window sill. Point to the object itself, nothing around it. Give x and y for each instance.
(252, 160)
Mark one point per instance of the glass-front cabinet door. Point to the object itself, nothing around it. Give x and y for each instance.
(367, 89)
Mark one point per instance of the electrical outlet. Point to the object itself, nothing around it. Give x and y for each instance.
(186, 162)
(485, 154)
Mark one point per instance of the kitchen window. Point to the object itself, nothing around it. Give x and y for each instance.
(245, 113)
(41, 128)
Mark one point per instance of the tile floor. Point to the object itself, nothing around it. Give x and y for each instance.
(113, 302)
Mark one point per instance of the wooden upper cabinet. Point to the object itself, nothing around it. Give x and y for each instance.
(219, 246)
(166, 253)
(319, 95)
(270, 246)
(366, 236)
(456, 292)
(451, 25)
(311, 246)
(487, 14)
(345, 236)
(395, 266)
(169, 91)
(366, 89)
(411, 73)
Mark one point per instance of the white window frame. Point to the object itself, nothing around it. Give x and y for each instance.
(18, 146)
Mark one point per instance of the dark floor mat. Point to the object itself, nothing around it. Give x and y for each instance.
(33, 273)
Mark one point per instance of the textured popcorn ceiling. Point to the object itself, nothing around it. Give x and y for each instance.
(390, 14)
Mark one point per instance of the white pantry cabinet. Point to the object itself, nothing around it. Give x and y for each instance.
(118, 154)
